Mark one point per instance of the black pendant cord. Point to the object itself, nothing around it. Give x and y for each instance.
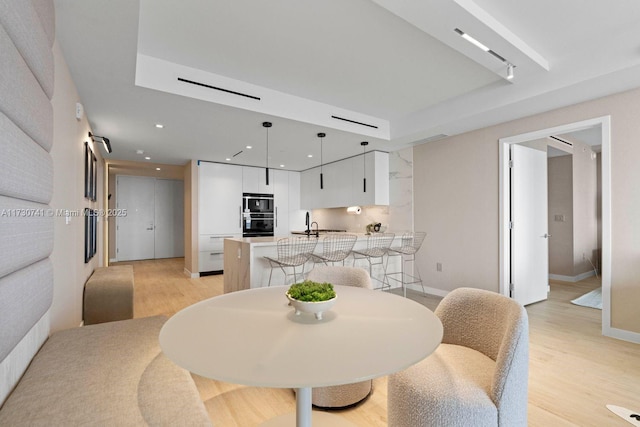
(364, 165)
(267, 125)
(321, 135)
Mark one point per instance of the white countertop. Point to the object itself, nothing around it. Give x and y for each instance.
(271, 241)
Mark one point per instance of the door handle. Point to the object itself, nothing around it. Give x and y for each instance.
(546, 236)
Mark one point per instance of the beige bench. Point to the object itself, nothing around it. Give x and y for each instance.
(108, 295)
(111, 374)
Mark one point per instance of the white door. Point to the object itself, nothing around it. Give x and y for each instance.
(529, 238)
(169, 218)
(135, 231)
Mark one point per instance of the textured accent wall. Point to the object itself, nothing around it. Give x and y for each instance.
(26, 169)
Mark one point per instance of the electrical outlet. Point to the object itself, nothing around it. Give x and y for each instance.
(439, 266)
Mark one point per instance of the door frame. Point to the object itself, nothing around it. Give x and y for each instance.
(504, 195)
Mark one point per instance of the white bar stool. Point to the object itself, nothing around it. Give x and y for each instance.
(410, 243)
(292, 252)
(335, 248)
(377, 247)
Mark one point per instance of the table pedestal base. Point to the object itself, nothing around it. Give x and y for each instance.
(318, 418)
(304, 416)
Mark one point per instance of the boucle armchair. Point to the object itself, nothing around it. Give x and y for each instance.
(340, 396)
(478, 375)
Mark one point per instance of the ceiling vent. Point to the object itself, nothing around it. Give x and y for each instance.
(233, 92)
(354, 122)
(564, 141)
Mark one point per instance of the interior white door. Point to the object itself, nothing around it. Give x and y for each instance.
(135, 232)
(169, 218)
(529, 233)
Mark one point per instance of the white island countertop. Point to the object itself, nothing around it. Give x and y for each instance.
(272, 240)
(245, 266)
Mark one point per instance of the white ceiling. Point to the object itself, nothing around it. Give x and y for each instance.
(397, 65)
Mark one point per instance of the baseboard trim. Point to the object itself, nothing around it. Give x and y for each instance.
(428, 290)
(113, 260)
(572, 279)
(190, 274)
(622, 334)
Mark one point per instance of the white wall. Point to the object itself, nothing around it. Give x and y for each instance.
(70, 271)
(456, 201)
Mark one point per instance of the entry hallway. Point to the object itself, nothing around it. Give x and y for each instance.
(573, 373)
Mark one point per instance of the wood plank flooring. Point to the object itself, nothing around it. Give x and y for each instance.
(574, 371)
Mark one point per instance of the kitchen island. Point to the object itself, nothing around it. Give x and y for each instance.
(245, 266)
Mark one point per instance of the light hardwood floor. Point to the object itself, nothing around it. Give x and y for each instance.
(574, 370)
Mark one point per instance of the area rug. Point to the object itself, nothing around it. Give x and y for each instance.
(591, 299)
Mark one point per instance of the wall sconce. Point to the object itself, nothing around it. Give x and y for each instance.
(104, 140)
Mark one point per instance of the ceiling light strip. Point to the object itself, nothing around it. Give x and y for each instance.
(355, 122)
(471, 40)
(180, 79)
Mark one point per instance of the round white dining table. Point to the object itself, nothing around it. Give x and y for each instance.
(253, 337)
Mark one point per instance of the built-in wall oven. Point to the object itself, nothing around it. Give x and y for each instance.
(257, 215)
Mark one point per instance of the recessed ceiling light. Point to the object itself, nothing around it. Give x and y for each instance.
(139, 152)
(309, 155)
(249, 147)
(228, 159)
(157, 169)
(159, 125)
(281, 166)
(147, 158)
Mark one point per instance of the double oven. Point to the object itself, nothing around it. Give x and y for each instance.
(257, 215)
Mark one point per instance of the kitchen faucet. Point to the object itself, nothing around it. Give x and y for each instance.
(306, 222)
(317, 231)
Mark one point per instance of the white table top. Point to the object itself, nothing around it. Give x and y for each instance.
(253, 337)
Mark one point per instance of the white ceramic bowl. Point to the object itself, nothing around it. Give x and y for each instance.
(315, 308)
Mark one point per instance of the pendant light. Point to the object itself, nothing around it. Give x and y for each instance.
(267, 125)
(364, 165)
(321, 135)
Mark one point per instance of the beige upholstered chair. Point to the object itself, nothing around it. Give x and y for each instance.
(477, 376)
(348, 394)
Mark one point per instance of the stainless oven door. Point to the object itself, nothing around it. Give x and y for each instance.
(257, 225)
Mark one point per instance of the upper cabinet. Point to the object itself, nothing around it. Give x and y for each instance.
(344, 183)
(254, 180)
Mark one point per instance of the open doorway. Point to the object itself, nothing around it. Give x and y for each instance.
(602, 127)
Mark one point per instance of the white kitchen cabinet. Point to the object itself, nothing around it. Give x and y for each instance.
(254, 180)
(211, 251)
(219, 211)
(376, 169)
(296, 213)
(281, 202)
(343, 183)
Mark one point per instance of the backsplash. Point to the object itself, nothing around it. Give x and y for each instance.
(397, 217)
